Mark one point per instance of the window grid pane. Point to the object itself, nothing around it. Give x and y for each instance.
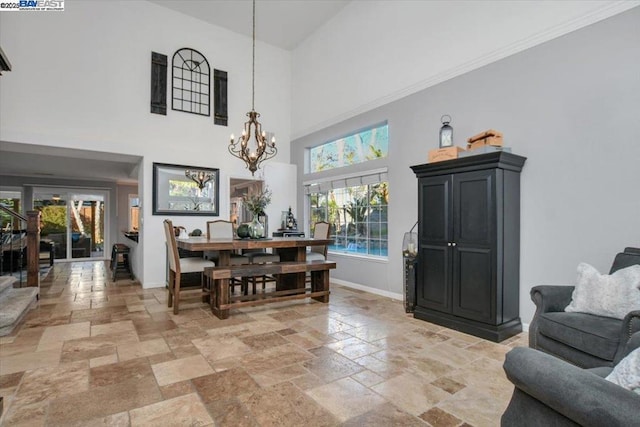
(361, 147)
(358, 218)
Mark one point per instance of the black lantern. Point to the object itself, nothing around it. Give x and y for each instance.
(446, 132)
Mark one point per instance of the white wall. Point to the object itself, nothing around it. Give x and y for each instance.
(81, 79)
(571, 106)
(375, 52)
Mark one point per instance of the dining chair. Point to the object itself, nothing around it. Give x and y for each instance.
(222, 229)
(178, 265)
(320, 231)
(260, 256)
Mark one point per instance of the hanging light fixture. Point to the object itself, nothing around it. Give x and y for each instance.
(199, 177)
(253, 153)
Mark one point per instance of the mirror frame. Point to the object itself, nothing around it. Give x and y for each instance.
(162, 203)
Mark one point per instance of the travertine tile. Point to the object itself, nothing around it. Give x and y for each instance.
(33, 415)
(346, 398)
(103, 360)
(142, 349)
(285, 405)
(57, 334)
(273, 358)
(275, 376)
(385, 415)
(177, 389)
(367, 378)
(181, 369)
(118, 372)
(60, 381)
(262, 341)
(112, 328)
(103, 401)
(224, 385)
(410, 393)
(185, 410)
(95, 352)
(28, 361)
(332, 366)
(474, 407)
(440, 418)
(216, 348)
(231, 413)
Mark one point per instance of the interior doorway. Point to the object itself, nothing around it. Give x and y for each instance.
(238, 213)
(73, 220)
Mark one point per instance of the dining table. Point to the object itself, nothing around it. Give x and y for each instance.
(288, 248)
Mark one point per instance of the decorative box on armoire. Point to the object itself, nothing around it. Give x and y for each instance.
(468, 273)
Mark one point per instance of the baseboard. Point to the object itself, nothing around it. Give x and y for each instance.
(369, 289)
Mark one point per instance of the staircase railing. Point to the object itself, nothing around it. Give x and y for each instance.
(32, 239)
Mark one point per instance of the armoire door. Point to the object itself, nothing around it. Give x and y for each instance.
(433, 288)
(474, 243)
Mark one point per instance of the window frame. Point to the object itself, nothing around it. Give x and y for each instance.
(350, 232)
(355, 134)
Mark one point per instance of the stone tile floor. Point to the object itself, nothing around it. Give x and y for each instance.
(95, 352)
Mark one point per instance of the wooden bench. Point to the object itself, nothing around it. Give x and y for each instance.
(218, 282)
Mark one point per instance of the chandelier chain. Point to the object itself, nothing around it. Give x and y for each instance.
(253, 60)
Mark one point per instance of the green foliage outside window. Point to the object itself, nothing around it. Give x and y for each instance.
(358, 217)
(353, 149)
(53, 219)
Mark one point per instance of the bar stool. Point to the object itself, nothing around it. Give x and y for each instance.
(120, 251)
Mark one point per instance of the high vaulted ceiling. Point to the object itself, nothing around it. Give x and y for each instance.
(282, 23)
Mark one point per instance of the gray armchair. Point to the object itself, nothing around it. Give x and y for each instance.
(551, 392)
(585, 340)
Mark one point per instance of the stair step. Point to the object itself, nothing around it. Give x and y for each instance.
(6, 282)
(14, 304)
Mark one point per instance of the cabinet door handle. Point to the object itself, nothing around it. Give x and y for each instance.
(453, 244)
(449, 244)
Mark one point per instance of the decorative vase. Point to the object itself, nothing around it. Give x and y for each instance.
(256, 229)
(243, 231)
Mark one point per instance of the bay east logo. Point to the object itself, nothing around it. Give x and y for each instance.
(31, 5)
(42, 4)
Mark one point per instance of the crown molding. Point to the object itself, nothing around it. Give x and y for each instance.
(594, 16)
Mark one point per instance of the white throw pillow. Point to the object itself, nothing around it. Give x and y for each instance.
(606, 295)
(627, 373)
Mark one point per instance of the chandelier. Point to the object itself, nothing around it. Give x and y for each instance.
(253, 153)
(199, 177)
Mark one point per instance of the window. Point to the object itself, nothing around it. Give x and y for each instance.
(11, 200)
(356, 208)
(190, 82)
(357, 148)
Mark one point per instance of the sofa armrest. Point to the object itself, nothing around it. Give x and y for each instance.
(551, 298)
(579, 395)
(630, 327)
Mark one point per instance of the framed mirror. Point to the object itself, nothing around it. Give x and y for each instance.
(185, 190)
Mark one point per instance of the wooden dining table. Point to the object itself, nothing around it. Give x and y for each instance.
(289, 249)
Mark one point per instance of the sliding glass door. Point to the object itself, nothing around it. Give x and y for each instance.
(74, 220)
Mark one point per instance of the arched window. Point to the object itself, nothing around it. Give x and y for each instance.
(191, 87)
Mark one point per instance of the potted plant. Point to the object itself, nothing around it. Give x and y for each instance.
(256, 204)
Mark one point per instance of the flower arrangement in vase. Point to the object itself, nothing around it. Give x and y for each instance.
(256, 204)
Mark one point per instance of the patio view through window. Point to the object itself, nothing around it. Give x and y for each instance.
(358, 217)
(354, 204)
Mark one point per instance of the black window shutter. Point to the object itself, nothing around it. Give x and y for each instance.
(158, 83)
(220, 115)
